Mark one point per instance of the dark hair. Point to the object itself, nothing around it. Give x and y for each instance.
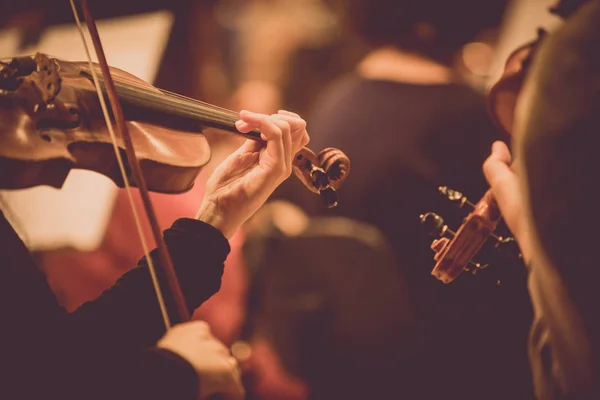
(436, 28)
(558, 140)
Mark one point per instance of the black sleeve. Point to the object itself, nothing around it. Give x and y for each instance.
(152, 374)
(163, 375)
(160, 374)
(559, 348)
(128, 314)
(105, 349)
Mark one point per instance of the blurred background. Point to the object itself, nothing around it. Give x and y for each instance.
(316, 303)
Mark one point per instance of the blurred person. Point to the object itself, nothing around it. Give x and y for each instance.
(112, 346)
(548, 199)
(286, 59)
(409, 123)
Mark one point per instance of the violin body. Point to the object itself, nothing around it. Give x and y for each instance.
(52, 122)
(502, 97)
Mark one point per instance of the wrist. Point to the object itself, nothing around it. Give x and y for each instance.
(209, 214)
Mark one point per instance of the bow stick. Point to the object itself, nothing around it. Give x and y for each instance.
(136, 172)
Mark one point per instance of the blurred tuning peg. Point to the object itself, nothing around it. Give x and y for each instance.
(329, 197)
(455, 196)
(474, 267)
(508, 247)
(434, 225)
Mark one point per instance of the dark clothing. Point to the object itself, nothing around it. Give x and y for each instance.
(404, 141)
(558, 143)
(103, 349)
(560, 349)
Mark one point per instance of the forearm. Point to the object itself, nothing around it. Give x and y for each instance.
(128, 314)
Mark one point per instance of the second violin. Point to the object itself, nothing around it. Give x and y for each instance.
(454, 251)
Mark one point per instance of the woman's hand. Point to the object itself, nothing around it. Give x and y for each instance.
(241, 184)
(506, 189)
(217, 369)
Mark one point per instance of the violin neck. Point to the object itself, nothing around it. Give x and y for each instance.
(158, 103)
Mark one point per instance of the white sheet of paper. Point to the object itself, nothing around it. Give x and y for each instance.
(77, 215)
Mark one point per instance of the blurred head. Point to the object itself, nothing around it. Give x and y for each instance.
(557, 122)
(434, 28)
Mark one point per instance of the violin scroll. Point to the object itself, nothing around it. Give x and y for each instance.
(454, 251)
(322, 174)
(435, 226)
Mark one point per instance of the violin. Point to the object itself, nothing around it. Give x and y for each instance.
(59, 115)
(53, 106)
(455, 251)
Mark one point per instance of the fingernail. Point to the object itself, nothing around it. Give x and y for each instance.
(262, 136)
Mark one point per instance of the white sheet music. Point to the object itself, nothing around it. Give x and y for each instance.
(77, 215)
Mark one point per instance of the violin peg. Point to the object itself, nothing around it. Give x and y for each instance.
(433, 224)
(322, 174)
(307, 170)
(329, 196)
(474, 267)
(508, 247)
(455, 196)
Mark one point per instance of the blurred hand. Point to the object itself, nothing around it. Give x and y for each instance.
(506, 189)
(217, 370)
(245, 180)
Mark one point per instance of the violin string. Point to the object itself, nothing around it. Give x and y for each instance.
(194, 105)
(135, 90)
(161, 301)
(150, 98)
(156, 100)
(191, 100)
(179, 99)
(198, 102)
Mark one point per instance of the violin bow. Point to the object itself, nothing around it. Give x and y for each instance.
(136, 172)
